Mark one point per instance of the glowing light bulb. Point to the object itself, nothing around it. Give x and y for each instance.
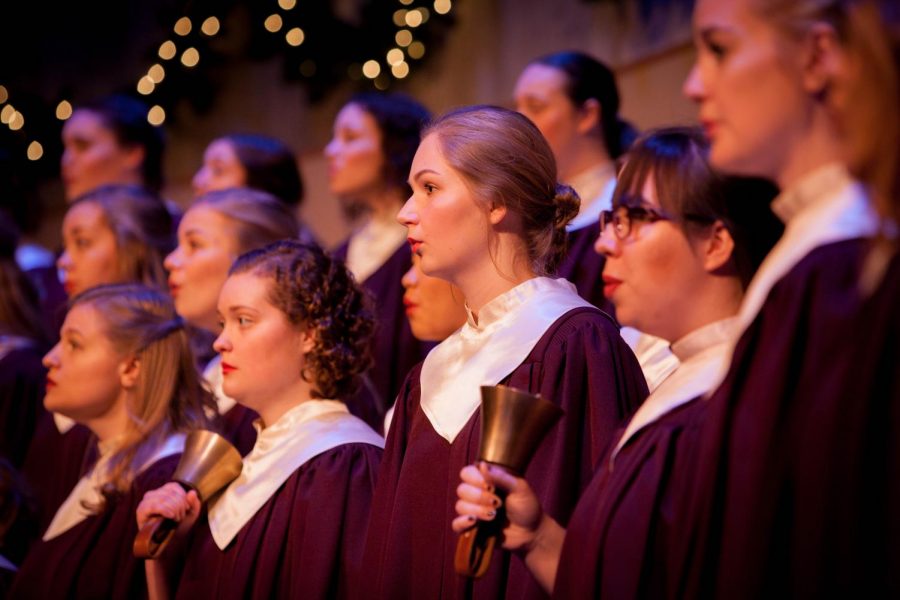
(403, 38)
(183, 26)
(442, 7)
(35, 150)
(413, 18)
(156, 115)
(416, 50)
(167, 50)
(295, 36)
(17, 121)
(4, 95)
(63, 110)
(394, 56)
(210, 26)
(400, 70)
(145, 85)
(190, 57)
(273, 23)
(156, 73)
(287, 4)
(371, 69)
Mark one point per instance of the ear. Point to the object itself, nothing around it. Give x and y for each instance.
(307, 341)
(717, 247)
(129, 371)
(496, 214)
(823, 58)
(134, 157)
(590, 115)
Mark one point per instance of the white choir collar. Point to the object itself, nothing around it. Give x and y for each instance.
(702, 354)
(508, 328)
(373, 244)
(212, 374)
(595, 187)
(87, 491)
(302, 433)
(63, 423)
(825, 207)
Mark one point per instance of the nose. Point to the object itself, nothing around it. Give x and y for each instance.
(198, 182)
(173, 260)
(331, 148)
(222, 343)
(607, 243)
(64, 261)
(410, 278)
(407, 215)
(51, 359)
(693, 85)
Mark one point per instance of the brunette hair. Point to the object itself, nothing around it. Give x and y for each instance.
(259, 217)
(589, 79)
(316, 291)
(693, 194)
(19, 301)
(126, 118)
(168, 396)
(400, 120)
(270, 164)
(142, 226)
(505, 161)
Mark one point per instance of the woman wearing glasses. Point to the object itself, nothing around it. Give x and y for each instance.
(677, 261)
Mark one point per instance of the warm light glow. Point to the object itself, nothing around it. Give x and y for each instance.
(7, 113)
(190, 57)
(287, 4)
(167, 50)
(4, 95)
(156, 115)
(63, 110)
(308, 67)
(400, 70)
(156, 73)
(273, 23)
(371, 69)
(35, 150)
(425, 14)
(394, 56)
(295, 36)
(400, 17)
(416, 50)
(442, 7)
(403, 38)
(406, 2)
(16, 121)
(413, 18)
(145, 85)
(381, 84)
(183, 26)
(210, 26)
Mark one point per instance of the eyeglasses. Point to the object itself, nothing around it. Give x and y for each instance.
(622, 217)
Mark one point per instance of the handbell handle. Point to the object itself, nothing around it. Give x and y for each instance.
(475, 546)
(154, 536)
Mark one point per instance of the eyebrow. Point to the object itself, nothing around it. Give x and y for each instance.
(418, 175)
(240, 307)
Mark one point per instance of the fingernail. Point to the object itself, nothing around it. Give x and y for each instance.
(491, 514)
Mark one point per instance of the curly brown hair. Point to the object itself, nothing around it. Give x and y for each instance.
(315, 290)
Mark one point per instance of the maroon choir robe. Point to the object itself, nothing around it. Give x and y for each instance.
(394, 348)
(305, 542)
(22, 380)
(756, 520)
(94, 559)
(581, 364)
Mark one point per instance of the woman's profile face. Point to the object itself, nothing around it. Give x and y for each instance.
(90, 254)
(446, 227)
(540, 95)
(263, 353)
(198, 267)
(748, 84)
(83, 368)
(221, 169)
(355, 157)
(92, 156)
(652, 273)
(434, 307)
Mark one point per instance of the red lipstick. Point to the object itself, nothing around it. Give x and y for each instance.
(610, 284)
(410, 305)
(414, 244)
(226, 368)
(50, 383)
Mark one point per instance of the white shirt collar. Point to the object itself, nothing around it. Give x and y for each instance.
(303, 432)
(825, 207)
(372, 245)
(212, 374)
(701, 355)
(508, 328)
(595, 187)
(87, 491)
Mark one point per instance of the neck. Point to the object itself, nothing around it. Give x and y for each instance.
(719, 300)
(112, 423)
(585, 154)
(274, 407)
(818, 148)
(494, 275)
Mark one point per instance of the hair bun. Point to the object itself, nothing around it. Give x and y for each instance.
(567, 203)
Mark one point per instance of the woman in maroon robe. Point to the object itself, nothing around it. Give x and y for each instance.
(215, 230)
(296, 333)
(762, 513)
(124, 369)
(487, 215)
(678, 256)
(375, 138)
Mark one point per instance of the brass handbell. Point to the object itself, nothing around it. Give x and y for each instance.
(208, 464)
(513, 423)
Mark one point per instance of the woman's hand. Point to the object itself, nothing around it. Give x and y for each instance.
(478, 500)
(171, 502)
